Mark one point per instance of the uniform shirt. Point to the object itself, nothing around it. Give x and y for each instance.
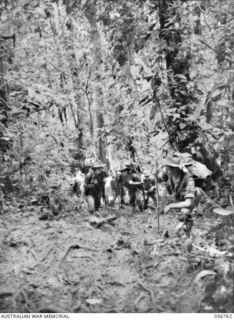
(126, 177)
(194, 194)
(148, 183)
(177, 181)
(91, 184)
(101, 177)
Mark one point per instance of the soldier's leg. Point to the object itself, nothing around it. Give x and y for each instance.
(91, 203)
(97, 201)
(153, 197)
(146, 200)
(102, 193)
(121, 194)
(140, 199)
(132, 198)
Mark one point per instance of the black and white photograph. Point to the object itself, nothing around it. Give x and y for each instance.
(116, 157)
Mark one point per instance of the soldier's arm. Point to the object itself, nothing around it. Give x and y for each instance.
(87, 182)
(135, 181)
(183, 183)
(183, 204)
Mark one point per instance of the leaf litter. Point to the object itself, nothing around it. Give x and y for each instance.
(128, 266)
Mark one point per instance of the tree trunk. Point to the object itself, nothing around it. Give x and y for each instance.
(91, 14)
(181, 132)
(3, 92)
(4, 107)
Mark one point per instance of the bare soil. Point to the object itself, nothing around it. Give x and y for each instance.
(65, 264)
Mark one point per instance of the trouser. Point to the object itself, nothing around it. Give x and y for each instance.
(121, 192)
(102, 192)
(97, 201)
(135, 197)
(94, 201)
(149, 195)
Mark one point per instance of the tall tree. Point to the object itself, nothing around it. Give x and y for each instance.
(90, 9)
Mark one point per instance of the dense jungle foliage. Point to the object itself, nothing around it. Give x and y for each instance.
(116, 80)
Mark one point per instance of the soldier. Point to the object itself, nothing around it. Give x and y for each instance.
(102, 175)
(120, 186)
(149, 189)
(176, 177)
(114, 189)
(191, 199)
(132, 181)
(181, 184)
(93, 187)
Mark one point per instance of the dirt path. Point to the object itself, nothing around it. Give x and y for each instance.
(66, 265)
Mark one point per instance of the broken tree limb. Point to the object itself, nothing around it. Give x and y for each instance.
(73, 247)
(146, 289)
(87, 257)
(25, 298)
(97, 222)
(68, 249)
(27, 308)
(85, 227)
(44, 257)
(88, 248)
(31, 250)
(92, 243)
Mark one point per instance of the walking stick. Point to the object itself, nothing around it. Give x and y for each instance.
(157, 194)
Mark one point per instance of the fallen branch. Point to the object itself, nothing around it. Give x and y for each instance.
(211, 251)
(138, 300)
(91, 243)
(88, 248)
(88, 257)
(30, 250)
(68, 249)
(73, 247)
(33, 254)
(116, 283)
(86, 226)
(170, 254)
(97, 222)
(47, 253)
(206, 257)
(44, 257)
(26, 302)
(146, 289)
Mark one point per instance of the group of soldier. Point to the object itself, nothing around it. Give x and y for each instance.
(98, 186)
(178, 181)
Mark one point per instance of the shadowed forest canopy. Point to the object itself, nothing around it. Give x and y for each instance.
(109, 81)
